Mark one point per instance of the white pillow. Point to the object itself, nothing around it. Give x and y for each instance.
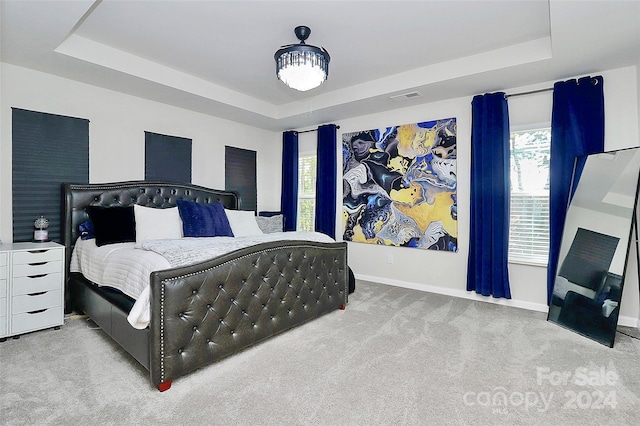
(157, 224)
(243, 223)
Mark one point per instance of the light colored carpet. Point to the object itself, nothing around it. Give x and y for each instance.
(394, 357)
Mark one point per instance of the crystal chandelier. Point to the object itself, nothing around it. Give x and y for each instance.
(302, 66)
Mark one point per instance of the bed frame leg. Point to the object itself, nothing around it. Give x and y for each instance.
(343, 307)
(164, 386)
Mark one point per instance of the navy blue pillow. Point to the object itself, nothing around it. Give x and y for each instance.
(203, 220)
(112, 224)
(86, 230)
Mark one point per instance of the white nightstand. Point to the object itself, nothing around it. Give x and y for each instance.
(31, 287)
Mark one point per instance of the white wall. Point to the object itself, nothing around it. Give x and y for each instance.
(118, 122)
(444, 272)
(116, 134)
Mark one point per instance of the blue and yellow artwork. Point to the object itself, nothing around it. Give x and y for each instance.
(399, 186)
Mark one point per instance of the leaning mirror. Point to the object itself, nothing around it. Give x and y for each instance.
(595, 246)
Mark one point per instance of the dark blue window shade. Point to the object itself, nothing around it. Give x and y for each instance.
(48, 150)
(240, 175)
(167, 158)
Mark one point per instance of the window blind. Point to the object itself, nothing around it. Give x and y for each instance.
(167, 158)
(529, 228)
(240, 175)
(47, 151)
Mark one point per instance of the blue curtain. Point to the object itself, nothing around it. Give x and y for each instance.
(487, 272)
(577, 130)
(326, 180)
(289, 193)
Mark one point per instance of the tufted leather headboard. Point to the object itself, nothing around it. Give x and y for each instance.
(145, 193)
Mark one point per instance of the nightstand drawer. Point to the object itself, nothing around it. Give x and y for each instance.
(3, 272)
(32, 269)
(30, 321)
(37, 283)
(3, 288)
(3, 308)
(3, 259)
(36, 256)
(36, 301)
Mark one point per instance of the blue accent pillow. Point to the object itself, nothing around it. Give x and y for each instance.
(86, 230)
(203, 220)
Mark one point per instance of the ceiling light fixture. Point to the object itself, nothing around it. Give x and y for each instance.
(302, 66)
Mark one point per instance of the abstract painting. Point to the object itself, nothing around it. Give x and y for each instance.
(399, 186)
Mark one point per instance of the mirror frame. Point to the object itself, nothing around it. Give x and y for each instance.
(585, 305)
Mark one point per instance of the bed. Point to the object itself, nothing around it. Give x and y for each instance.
(203, 312)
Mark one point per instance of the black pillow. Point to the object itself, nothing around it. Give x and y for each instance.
(112, 224)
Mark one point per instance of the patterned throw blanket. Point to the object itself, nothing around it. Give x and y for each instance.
(188, 251)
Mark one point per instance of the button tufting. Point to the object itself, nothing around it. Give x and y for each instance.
(195, 328)
(194, 291)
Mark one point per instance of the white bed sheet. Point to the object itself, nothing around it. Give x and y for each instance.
(127, 268)
(120, 266)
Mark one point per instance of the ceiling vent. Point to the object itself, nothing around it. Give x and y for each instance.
(406, 96)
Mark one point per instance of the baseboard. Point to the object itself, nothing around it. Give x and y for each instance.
(626, 321)
(463, 294)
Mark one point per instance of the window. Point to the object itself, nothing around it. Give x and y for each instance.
(41, 140)
(306, 192)
(529, 223)
(167, 158)
(240, 176)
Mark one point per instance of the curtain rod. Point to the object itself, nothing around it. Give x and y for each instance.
(311, 130)
(529, 93)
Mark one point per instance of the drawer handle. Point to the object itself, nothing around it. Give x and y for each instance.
(37, 263)
(38, 251)
(37, 294)
(36, 312)
(37, 276)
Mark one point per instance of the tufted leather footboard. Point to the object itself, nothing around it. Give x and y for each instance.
(202, 313)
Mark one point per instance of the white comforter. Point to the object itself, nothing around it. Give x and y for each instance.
(128, 266)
